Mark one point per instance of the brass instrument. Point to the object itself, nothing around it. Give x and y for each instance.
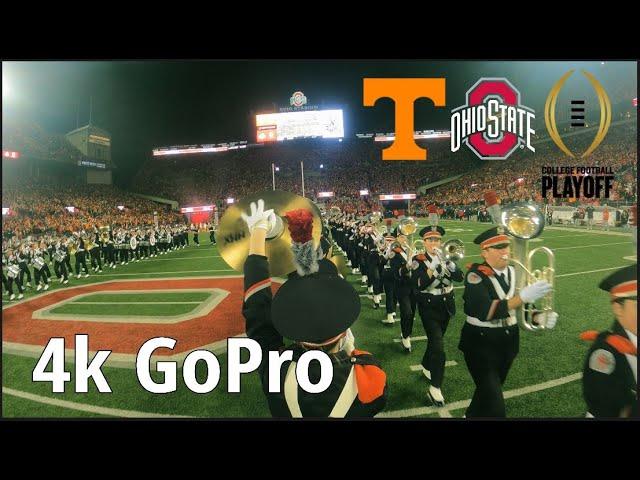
(453, 250)
(525, 222)
(104, 233)
(234, 237)
(407, 226)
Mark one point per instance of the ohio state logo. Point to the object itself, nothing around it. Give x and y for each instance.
(493, 123)
(297, 99)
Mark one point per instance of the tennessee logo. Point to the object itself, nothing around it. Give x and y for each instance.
(493, 123)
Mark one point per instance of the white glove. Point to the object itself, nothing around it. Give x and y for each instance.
(259, 218)
(435, 262)
(531, 293)
(547, 320)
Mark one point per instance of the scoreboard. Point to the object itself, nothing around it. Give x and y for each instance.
(276, 127)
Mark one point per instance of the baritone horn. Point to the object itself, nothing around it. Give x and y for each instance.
(525, 222)
(407, 226)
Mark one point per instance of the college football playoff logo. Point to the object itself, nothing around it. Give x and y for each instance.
(493, 123)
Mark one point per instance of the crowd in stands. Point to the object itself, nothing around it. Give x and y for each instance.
(344, 168)
(39, 209)
(30, 139)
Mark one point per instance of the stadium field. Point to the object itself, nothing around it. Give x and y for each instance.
(193, 295)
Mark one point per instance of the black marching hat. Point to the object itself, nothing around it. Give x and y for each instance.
(494, 237)
(315, 304)
(622, 283)
(431, 231)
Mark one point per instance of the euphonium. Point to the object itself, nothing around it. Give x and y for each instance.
(525, 222)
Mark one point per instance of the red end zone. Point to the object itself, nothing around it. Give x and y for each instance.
(225, 320)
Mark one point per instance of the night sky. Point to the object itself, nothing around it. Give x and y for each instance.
(150, 104)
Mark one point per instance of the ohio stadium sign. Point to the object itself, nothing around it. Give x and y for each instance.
(493, 123)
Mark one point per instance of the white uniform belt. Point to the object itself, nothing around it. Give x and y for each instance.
(500, 323)
(439, 291)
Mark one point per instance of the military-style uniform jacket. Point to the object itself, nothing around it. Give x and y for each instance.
(357, 379)
(400, 268)
(610, 375)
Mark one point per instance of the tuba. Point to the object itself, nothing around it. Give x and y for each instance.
(525, 222)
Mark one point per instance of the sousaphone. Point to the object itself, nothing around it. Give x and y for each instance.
(233, 233)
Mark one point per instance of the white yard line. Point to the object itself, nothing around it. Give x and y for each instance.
(163, 273)
(414, 412)
(418, 368)
(83, 407)
(133, 303)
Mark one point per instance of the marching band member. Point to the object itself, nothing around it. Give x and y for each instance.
(94, 253)
(372, 249)
(24, 258)
(490, 336)
(80, 256)
(13, 275)
(405, 290)
(196, 231)
(67, 258)
(60, 256)
(388, 280)
(38, 262)
(212, 234)
(610, 374)
(315, 309)
(436, 305)
(109, 249)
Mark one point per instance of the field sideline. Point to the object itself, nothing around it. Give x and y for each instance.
(543, 382)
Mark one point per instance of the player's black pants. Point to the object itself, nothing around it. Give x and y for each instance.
(389, 285)
(373, 274)
(488, 353)
(18, 282)
(24, 270)
(212, 237)
(67, 261)
(40, 275)
(61, 270)
(109, 254)
(196, 240)
(435, 312)
(81, 262)
(407, 301)
(96, 261)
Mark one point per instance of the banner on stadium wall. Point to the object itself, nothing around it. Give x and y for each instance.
(402, 196)
(203, 208)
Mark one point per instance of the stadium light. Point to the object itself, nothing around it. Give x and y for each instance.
(277, 169)
(364, 192)
(230, 201)
(120, 207)
(321, 165)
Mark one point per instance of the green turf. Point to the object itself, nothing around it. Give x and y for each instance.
(145, 297)
(125, 309)
(542, 357)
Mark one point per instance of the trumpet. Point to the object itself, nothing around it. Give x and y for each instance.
(525, 222)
